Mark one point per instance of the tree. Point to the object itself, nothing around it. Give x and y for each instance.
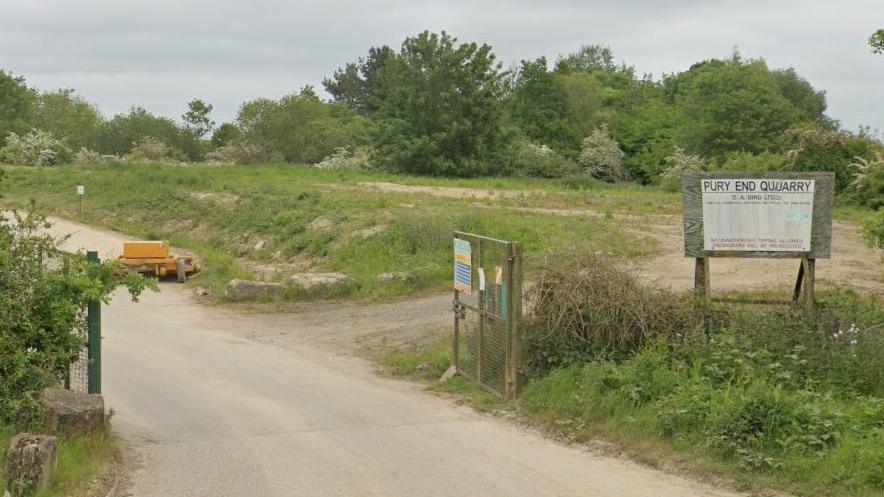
(739, 105)
(120, 134)
(588, 58)
(441, 108)
(301, 127)
(225, 134)
(540, 107)
(68, 117)
(358, 84)
(16, 105)
(196, 119)
(876, 41)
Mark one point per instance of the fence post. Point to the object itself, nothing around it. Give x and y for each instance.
(93, 325)
(514, 316)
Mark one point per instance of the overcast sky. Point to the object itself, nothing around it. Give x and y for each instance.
(161, 53)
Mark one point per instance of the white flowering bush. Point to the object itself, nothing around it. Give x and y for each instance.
(150, 149)
(532, 159)
(864, 169)
(681, 163)
(342, 159)
(601, 157)
(37, 148)
(85, 156)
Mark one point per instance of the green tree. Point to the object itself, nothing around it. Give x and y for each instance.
(68, 117)
(16, 105)
(540, 107)
(301, 127)
(739, 105)
(358, 84)
(876, 41)
(441, 108)
(120, 134)
(225, 134)
(197, 119)
(588, 58)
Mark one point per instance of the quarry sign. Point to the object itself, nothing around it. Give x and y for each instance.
(758, 214)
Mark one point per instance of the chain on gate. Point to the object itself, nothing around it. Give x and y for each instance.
(487, 312)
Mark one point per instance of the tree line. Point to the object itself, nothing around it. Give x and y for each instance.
(438, 106)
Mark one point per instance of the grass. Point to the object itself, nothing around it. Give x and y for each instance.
(224, 213)
(768, 401)
(427, 362)
(80, 461)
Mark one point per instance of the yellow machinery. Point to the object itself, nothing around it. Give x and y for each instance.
(152, 257)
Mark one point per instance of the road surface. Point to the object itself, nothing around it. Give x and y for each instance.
(212, 412)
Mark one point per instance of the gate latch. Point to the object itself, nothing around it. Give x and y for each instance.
(460, 310)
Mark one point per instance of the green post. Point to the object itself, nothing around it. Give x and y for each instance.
(93, 323)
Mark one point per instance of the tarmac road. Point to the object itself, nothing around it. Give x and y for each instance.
(211, 412)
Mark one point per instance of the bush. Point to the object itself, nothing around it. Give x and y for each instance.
(601, 156)
(769, 390)
(84, 156)
(814, 148)
(37, 148)
(868, 181)
(123, 132)
(529, 159)
(873, 230)
(344, 160)
(42, 311)
(584, 306)
(150, 149)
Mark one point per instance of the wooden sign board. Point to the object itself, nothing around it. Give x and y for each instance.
(751, 214)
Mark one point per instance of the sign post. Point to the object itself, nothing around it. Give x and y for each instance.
(81, 190)
(758, 215)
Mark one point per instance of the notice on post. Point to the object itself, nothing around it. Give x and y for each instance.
(772, 215)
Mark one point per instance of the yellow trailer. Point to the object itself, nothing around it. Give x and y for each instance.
(154, 257)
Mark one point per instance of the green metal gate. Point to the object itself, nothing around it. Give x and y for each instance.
(488, 311)
(84, 373)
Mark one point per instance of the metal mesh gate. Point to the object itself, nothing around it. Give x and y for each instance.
(487, 312)
(78, 372)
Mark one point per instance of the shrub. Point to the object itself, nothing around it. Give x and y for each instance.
(584, 306)
(601, 156)
(814, 148)
(224, 154)
(150, 149)
(84, 156)
(679, 164)
(41, 310)
(37, 148)
(873, 230)
(344, 160)
(529, 159)
(868, 182)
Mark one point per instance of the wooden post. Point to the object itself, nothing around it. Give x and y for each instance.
(809, 266)
(799, 282)
(701, 278)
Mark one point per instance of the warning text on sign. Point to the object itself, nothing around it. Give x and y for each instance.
(772, 215)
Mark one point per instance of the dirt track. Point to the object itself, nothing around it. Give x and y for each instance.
(220, 403)
(852, 263)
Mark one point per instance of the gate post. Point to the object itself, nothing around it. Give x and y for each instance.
(93, 325)
(513, 318)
